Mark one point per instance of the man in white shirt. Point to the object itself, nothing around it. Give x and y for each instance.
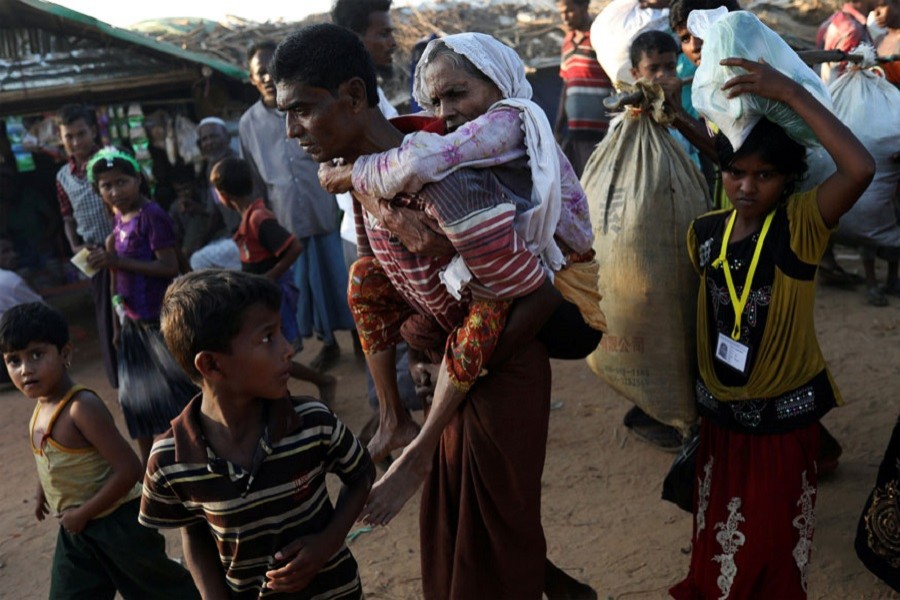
(371, 21)
(290, 185)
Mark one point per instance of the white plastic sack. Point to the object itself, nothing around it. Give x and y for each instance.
(741, 34)
(616, 27)
(870, 106)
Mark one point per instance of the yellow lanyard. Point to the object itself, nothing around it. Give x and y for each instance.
(739, 304)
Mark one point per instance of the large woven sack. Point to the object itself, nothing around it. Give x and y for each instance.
(643, 192)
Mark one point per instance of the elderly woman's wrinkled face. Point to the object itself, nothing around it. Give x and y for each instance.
(458, 96)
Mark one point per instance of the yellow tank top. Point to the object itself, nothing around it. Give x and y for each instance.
(71, 476)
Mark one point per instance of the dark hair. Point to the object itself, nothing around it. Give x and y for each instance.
(70, 113)
(232, 176)
(204, 310)
(324, 56)
(102, 166)
(260, 46)
(770, 142)
(32, 322)
(680, 9)
(655, 41)
(354, 14)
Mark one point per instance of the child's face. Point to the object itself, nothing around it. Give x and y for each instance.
(753, 186)
(119, 190)
(655, 65)
(690, 45)
(259, 362)
(38, 369)
(78, 139)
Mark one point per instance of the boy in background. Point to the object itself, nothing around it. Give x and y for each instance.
(242, 470)
(268, 249)
(86, 220)
(88, 474)
(585, 84)
(654, 57)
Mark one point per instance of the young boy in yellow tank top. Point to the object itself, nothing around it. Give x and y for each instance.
(88, 474)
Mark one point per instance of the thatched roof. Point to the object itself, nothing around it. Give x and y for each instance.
(533, 29)
(50, 55)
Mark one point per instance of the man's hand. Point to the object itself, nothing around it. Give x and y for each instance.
(72, 520)
(416, 230)
(760, 79)
(672, 88)
(305, 558)
(336, 179)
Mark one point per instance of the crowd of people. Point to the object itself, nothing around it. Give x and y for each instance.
(467, 262)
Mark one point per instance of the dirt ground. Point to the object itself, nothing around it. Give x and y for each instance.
(604, 520)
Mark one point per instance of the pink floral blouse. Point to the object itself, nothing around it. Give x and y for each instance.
(493, 139)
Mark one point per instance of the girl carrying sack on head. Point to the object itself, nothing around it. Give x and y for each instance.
(763, 383)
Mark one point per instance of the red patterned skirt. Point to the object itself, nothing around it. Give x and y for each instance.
(755, 515)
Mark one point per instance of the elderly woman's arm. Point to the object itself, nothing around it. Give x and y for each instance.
(494, 138)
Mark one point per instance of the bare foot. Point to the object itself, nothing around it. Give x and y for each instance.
(398, 485)
(390, 437)
(327, 390)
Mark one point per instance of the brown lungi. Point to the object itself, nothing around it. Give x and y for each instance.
(480, 522)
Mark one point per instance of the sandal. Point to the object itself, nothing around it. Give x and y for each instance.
(648, 429)
(875, 297)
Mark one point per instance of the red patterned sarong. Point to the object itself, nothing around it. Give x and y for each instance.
(380, 312)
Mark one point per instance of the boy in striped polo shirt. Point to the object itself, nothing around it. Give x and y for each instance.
(242, 470)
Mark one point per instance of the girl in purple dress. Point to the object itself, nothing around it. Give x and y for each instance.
(141, 253)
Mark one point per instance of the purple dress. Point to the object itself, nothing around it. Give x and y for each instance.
(153, 389)
(139, 239)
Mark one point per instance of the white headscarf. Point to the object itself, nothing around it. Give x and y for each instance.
(503, 66)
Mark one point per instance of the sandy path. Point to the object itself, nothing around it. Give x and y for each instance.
(604, 521)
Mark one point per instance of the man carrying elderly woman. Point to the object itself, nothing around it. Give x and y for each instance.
(481, 449)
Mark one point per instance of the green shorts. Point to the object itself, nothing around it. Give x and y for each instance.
(117, 553)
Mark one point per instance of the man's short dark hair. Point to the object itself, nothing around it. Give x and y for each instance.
(651, 41)
(260, 46)
(32, 322)
(204, 311)
(324, 56)
(354, 14)
(232, 176)
(70, 113)
(680, 9)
